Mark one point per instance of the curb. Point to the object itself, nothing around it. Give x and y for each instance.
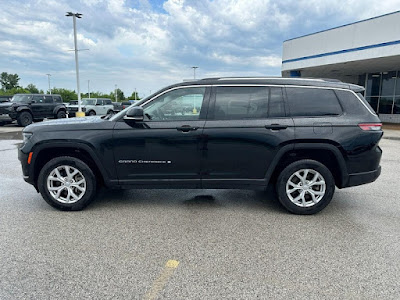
(395, 138)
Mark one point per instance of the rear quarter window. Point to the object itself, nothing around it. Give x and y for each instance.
(311, 102)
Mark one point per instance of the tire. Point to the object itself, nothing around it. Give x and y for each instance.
(92, 113)
(2, 123)
(111, 112)
(61, 114)
(61, 197)
(24, 118)
(296, 195)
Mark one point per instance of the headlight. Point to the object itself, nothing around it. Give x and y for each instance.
(26, 136)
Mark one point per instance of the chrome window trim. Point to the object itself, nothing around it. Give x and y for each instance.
(262, 84)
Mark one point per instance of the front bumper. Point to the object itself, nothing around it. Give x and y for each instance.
(5, 118)
(363, 178)
(23, 158)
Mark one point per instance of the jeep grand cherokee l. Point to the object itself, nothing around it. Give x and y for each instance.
(305, 136)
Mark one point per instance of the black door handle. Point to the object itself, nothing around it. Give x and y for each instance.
(276, 127)
(186, 128)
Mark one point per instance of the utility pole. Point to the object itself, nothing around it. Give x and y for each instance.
(194, 72)
(115, 92)
(74, 16)
(88, 87)
(48, 77)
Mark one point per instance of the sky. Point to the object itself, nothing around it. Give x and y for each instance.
(149, 44)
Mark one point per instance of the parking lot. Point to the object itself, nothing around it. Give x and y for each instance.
(198, 244)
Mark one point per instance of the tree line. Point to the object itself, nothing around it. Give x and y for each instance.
(10, 86)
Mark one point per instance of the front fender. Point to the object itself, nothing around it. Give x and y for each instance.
(23, 107)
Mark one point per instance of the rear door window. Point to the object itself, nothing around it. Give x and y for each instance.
(235, 103)
(255, 102)
(306, 102)
(48, 99)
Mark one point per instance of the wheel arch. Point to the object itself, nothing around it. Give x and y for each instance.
(325, 153)
(58, 108)
(43, 153)
(20, 109)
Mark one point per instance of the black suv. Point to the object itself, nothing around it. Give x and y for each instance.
(26, 108)
(306, 136)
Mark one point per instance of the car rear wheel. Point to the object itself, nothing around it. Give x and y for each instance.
(305, 187)
(92, 113)
(24, 118)
(67, 183)
(61, 114)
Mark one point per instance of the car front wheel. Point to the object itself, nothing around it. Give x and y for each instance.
(24, 118)
(67, 183)
(305, 187)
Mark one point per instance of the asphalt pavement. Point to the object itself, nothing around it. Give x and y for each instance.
(199, 244)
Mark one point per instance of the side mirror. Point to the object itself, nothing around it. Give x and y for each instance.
(135, 114)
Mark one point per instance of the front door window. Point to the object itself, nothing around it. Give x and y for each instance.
(177, 105)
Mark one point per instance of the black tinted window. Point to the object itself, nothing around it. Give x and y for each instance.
(241, 103)
(107, 102)
(38, 99)
(312, 102)
(48, 99)
(57, 99)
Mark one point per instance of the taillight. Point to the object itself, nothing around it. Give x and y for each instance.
(370, 126)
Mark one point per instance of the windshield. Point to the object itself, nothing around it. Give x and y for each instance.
(88, 101)
(21, 98)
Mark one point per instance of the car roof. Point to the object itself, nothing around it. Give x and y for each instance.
(38, 95)
(317, 82)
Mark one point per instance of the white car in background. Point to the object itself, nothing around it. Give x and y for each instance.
(92, 107)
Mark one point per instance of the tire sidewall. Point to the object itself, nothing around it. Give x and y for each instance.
(73, 162)
(61, 114)
(22, 116)
(92, 113)
(289, 171)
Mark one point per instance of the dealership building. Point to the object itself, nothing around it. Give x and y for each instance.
(365, 53)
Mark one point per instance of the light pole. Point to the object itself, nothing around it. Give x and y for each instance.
(74, 16)
(115, 92)
(88, 87)
(194, 72)
(48, 77)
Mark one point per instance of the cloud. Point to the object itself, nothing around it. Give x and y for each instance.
(147, 44)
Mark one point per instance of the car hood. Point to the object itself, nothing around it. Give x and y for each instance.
(66, 124)
(6, 104)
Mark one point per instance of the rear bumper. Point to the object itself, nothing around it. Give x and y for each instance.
(363, 178)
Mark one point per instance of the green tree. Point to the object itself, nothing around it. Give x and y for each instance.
(9, 81)
(13, 91)
(120, 95)
(32, 88)
(66, 94)
(134, 96)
